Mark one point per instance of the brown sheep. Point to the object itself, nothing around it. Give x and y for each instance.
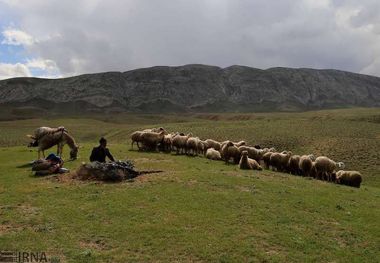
(293, 165)
(136, 138)
(231, 151)
(313, 171)
(248, 163)
(279, 161)
(167, 142)
(179, 142)
(325, 167)
(253, 153)
(237, 144)
(350, 178)
(223, 147)
(213, 144)
(151, 140)
(213, 154)
(157, 130)
(241, 143)
(201, 147)
(306, 164)
(192, 146)
(266, 159)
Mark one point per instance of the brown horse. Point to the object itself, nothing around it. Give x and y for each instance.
(58, 136)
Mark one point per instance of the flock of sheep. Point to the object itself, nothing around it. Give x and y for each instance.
(248, 157)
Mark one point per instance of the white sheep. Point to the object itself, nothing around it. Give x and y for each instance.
(213, 154)
(325, 167)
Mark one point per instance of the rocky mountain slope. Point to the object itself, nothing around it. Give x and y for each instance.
(198, 88)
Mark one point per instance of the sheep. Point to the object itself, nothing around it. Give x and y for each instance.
(136, 138)
(253, 153)
(279, 161)
(151, 140)
(167, 142)
(201, 147)
(241, 143)
(313, 170)
(179, 142)
(237, 144)
(305, 164)
(157, 130)
(293, 165)
(213, 154)
(223, 147)
(325, 167)
(248, 163)
(266, 150)
(266, 159)
(192, 145)
(213, 144)
(231, 151)
(350, 178)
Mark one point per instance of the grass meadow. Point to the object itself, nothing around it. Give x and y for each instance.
(197, 209)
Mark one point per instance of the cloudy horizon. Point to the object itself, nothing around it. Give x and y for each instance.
(66, 38)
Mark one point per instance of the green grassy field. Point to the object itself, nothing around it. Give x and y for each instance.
(198, 210)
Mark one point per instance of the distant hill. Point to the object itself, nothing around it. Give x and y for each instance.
(193, 88)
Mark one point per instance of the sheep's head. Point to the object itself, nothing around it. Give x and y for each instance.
(272, 149)
(340, 165)
(229, 143)
(312, 157)
(244, 153)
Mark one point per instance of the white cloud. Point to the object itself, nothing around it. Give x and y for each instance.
(17, 37)
(42, 64)
(13, 70)
(45, 69)
(94, 36)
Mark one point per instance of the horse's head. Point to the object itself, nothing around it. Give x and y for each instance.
(74, 152)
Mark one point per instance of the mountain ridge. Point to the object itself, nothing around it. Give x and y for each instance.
(197, 88)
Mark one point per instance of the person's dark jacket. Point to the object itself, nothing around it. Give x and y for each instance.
(99, 154)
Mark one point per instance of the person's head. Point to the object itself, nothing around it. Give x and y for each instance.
(103, 142)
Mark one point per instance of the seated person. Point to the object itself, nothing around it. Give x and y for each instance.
(99, 153)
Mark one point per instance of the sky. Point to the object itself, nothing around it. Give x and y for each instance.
(55, 38)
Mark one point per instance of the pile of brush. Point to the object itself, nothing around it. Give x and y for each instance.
(109, 172)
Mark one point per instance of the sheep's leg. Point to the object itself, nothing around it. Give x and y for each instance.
(132, 144)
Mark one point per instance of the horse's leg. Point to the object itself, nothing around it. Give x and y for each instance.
(60, 150)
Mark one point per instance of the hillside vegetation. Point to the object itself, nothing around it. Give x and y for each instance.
(197, 209)
(192, 88)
